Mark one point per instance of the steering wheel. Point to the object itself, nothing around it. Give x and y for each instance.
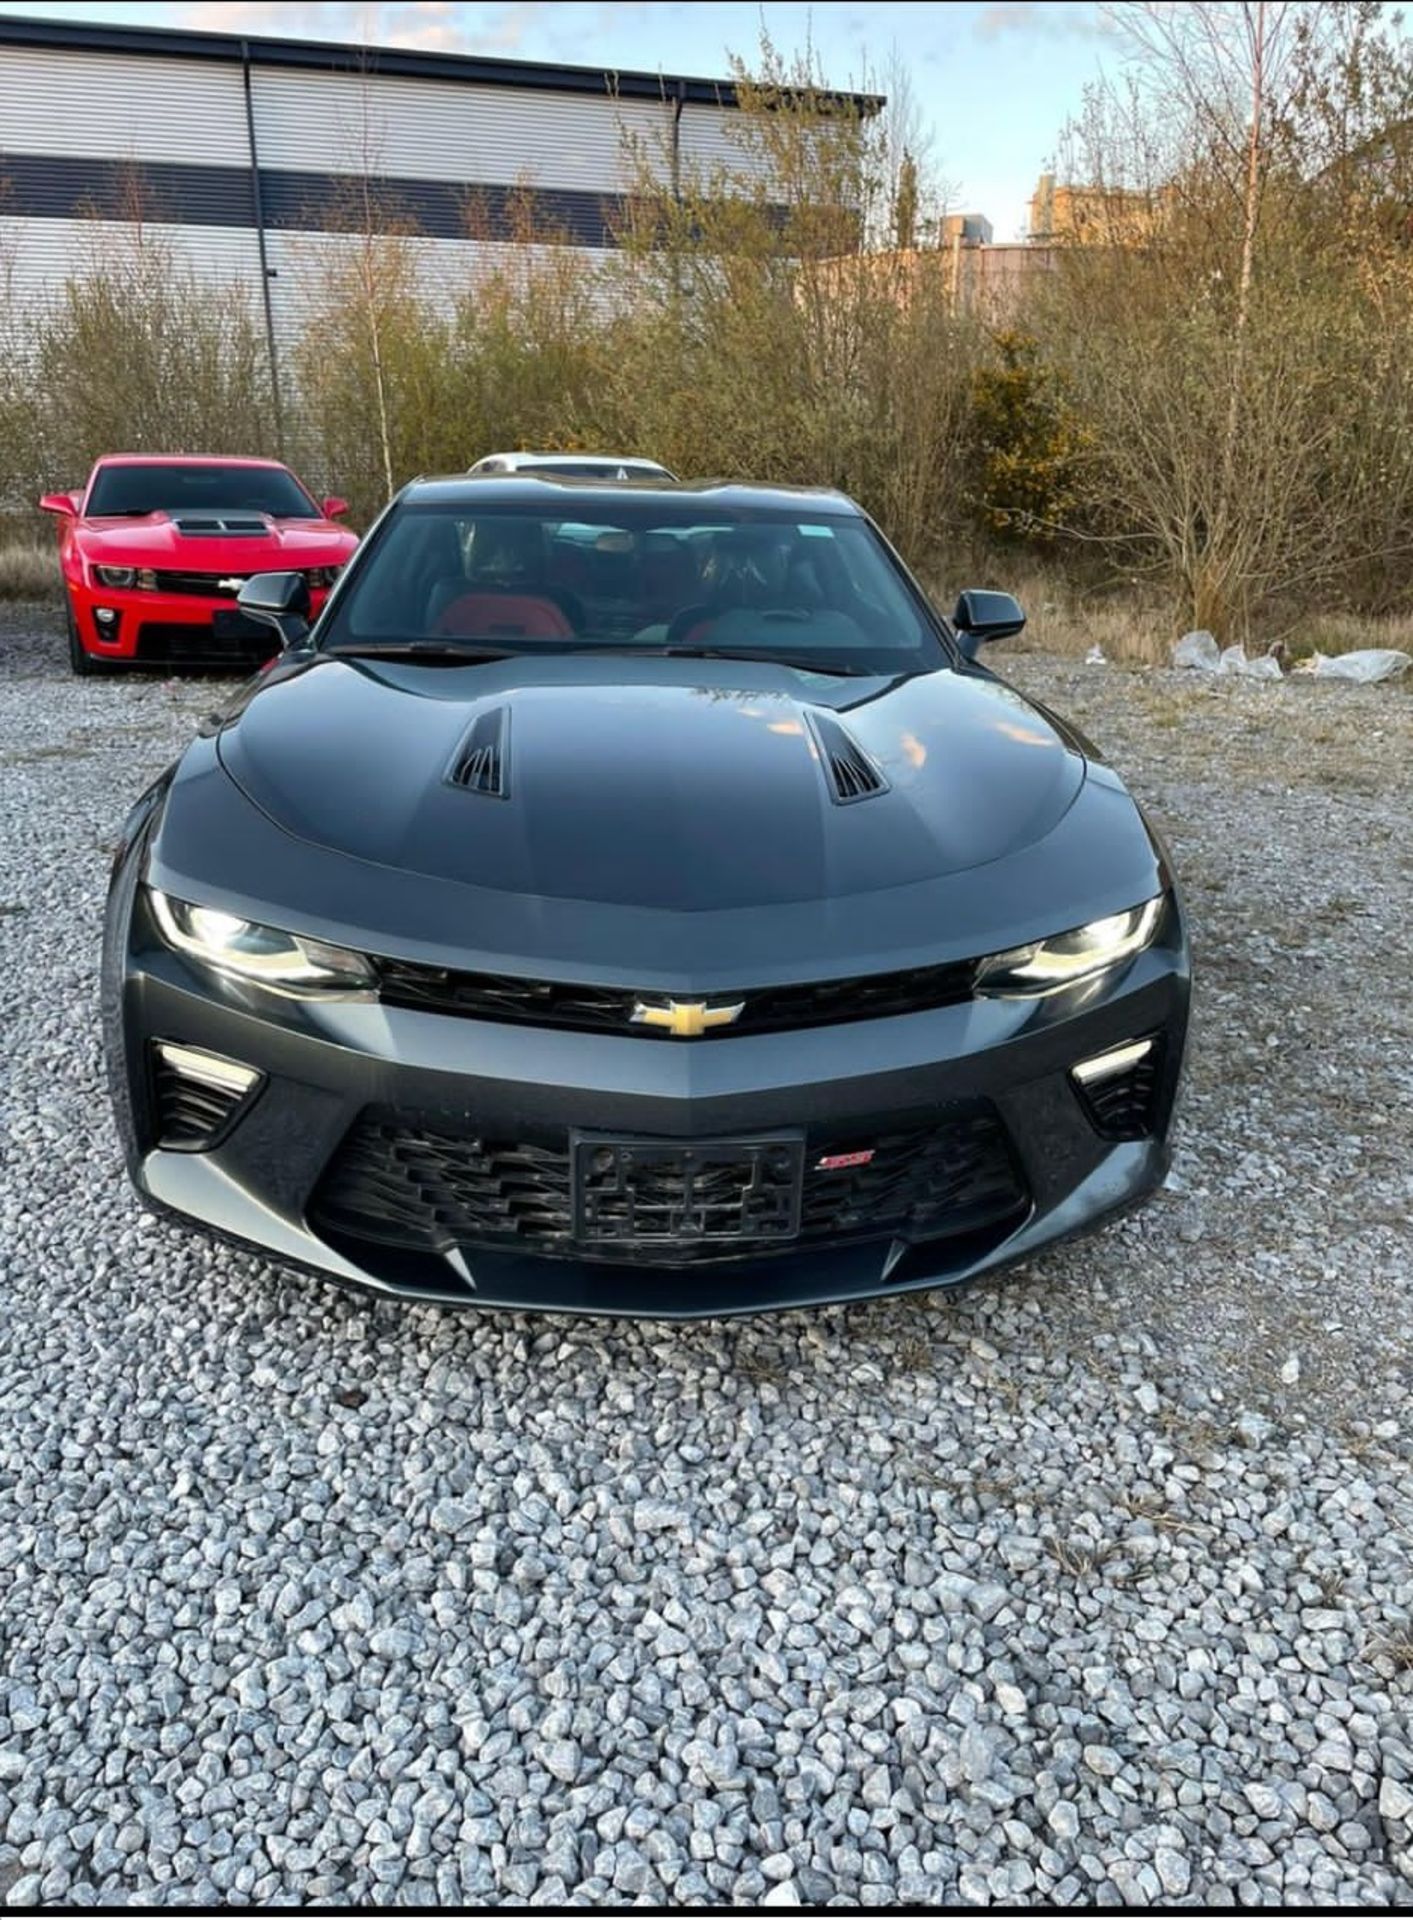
(702, 614)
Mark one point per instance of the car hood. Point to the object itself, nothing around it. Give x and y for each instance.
(156, 540)
(684, 785)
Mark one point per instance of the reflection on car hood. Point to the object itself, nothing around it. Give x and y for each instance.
(156, 540)
(676, 784)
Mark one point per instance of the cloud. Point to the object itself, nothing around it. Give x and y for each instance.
(1040, 20)
(444, 26)
(438, 25)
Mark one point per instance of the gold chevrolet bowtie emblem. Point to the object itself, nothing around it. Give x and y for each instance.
(687, 1019)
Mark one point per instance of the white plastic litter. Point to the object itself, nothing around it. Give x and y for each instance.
(1095, 657)
(1197, 650)
(1264, 667)
(1365, 664)
(1201, 651)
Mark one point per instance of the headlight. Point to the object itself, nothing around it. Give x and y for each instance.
(1067, 957)
(322, 576)
(116, 576)
(290, 962)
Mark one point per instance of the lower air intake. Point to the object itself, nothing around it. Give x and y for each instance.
(425, 1188)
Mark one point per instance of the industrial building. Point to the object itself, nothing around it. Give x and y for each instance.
(245, 150)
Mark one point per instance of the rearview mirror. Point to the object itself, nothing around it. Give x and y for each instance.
(63, 503)
(334, 506)
(278, 600)
(983, 615)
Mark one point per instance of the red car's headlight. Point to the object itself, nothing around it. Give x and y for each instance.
(141, 577)
(322, 576)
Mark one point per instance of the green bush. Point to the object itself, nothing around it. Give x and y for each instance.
(1028, 445)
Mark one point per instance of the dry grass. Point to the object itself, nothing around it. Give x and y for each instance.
(1065, 618)
(29, 568)
(1331, 633)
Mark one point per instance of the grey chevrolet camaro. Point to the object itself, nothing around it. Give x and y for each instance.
(635, 898)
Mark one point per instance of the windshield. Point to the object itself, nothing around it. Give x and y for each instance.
(803, 584)
(163, 487)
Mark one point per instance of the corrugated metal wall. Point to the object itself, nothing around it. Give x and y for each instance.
(437, 130)
(89, 137)
(444, 269)
(120, 106)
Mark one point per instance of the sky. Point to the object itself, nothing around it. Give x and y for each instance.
(993, 81)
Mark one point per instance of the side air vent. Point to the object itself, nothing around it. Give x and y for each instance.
(196, 1094)
(1120, 1089)
(851, 774)
(480, 763)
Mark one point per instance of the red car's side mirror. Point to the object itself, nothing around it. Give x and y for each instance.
(63, 503)
(333, 507)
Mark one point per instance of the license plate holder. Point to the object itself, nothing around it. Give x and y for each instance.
(229, 623)
(636, 1192)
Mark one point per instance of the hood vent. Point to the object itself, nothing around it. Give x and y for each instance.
(851, 774)
(226, 525)
(480, 765)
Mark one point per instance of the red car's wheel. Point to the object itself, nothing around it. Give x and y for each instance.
(80, 660)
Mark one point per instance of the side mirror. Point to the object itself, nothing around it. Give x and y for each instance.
(982, 615)
(334, 506)
(61, 503)
(278, 600)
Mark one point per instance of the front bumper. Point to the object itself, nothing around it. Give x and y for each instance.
(142, 627)
(330, 1069)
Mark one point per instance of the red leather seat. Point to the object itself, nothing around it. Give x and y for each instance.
(486, 615)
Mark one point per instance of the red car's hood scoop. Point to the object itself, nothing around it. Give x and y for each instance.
(226, 526)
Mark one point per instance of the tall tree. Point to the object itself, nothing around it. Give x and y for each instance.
(905, 199)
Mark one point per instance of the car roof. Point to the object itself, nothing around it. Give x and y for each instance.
(464, 490)
(186, 460)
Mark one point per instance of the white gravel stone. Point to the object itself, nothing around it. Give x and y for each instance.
(1395, 1800)
(1015, 1596)
(782, 1894)
(562, 1759)
(1063, 1819)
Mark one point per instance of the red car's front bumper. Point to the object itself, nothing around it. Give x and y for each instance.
(141, 627)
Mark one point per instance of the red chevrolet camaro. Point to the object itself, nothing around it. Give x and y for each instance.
(155, 549)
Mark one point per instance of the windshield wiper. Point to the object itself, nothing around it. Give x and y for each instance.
(467, 651)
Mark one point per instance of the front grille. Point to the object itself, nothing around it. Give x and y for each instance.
(428, 1189)
(1125, 1106)
(952, 1178)
(210, 586)
(217, 586)
(553, 1003)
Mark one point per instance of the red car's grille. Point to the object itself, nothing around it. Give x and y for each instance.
(225, 586)
(211, 586)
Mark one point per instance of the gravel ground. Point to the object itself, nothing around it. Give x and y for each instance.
(1086, 1585)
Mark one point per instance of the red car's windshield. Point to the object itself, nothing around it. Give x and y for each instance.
(167, 488)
